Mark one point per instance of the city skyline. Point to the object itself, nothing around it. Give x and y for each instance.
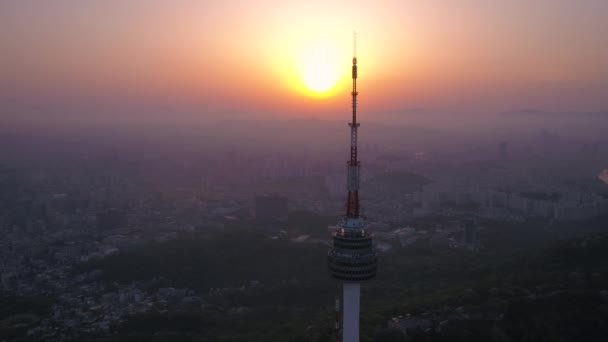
(195, 170)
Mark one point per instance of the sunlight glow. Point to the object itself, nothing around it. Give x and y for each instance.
(319, 68)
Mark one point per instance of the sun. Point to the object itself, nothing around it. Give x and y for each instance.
(319, 69)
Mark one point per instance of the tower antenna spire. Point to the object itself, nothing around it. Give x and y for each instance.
(355, 44)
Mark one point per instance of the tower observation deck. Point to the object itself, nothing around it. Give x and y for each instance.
(352, 258)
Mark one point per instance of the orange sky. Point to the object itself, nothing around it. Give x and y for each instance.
(247, 56)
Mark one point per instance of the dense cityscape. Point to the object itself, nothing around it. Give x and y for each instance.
(303, 171)
(77, 216)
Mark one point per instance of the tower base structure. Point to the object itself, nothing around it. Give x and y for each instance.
(350, 321)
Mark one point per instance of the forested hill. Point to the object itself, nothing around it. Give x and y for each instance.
(253, 288)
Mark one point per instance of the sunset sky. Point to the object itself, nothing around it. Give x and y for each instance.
(208, 59)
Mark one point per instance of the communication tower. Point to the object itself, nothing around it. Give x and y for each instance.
(352, 258)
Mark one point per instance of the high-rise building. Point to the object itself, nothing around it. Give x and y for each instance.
(470, 234)
(271, 208)
(111, 219)
(503, 150)
(352, 258)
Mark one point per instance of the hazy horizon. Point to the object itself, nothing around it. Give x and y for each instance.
(434, 62)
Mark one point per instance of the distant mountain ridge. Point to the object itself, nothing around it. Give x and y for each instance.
(540, 113)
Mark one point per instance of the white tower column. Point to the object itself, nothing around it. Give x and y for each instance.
(350, 327)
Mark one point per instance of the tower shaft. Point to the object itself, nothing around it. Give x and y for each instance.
(352, 295)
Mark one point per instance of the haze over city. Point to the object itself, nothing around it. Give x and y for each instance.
(175, 170)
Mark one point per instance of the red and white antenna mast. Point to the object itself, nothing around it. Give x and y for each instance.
(352, 204)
